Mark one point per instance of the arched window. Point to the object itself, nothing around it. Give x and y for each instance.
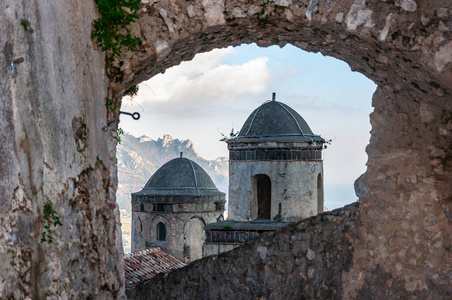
(264, 194)
(319, 194)
(161, 232)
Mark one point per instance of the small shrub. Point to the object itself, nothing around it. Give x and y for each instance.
(132, 92)
(110, 30)
(120, 132)
(232, 135)
(50, 219)
(262, 15)
(109, 104)
(26, 25)
(327, 143)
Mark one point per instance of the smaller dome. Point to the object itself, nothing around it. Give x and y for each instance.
(276, 121)
(180, 176)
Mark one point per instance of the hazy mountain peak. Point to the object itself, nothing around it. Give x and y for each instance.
(145, 138)
(188, 144)
(167, 139)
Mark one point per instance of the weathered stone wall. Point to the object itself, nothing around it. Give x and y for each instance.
(53, 148)
(404, 229)
(405, 42)
(214, 248)
(302, 261)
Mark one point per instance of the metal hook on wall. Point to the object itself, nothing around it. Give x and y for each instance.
(134, 115)
(13, 66)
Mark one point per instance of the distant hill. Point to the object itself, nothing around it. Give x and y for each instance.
(139, 158)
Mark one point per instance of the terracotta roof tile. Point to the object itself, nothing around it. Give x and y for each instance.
(145, 264)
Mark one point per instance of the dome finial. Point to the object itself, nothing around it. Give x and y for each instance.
(273, 96)
(181, 154)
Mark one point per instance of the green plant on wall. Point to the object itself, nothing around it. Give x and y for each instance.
(110, 30)
(327, 143)
(119, 132)
(323, 145)
(26, 25)
(262, 14)
(232, 135)
(50, 220)
(109, 104)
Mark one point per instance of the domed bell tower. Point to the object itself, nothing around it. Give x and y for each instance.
(172, 209)
(275, 167)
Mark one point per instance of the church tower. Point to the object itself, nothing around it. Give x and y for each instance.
(275, 167)
(172, 209)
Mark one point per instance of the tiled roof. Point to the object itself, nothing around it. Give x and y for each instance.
(145, 264)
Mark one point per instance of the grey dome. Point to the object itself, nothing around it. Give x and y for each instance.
(274, 120)
(180, 176)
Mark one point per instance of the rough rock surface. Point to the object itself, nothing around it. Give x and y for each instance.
(403, 245)
(302, 261)
(53, 147)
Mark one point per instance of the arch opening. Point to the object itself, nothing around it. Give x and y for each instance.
(408, 101)
(320, 204)
(194, 237)
(158, 88)
(173, 100)
(263, 187)
(161, 232)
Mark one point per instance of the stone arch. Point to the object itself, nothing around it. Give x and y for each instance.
(194, 237)
(152, 228)
(405, 196)
(356, 33)
(403, 46)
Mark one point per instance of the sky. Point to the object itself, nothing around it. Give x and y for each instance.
(218, 90)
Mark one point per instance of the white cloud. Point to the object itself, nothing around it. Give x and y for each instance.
(207, 79)
(197, 99)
